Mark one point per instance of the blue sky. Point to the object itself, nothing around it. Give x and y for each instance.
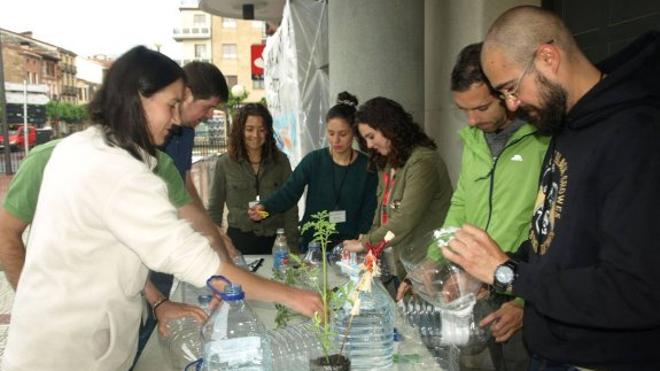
(94, 26)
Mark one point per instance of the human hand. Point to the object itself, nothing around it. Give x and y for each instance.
(257, 213)
(404, 288)
(474, 250)
(305, 302)
(353, 246)
(170, 310)
(505, 321)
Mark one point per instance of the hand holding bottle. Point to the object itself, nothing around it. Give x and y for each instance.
(353, 246)
(169, 311)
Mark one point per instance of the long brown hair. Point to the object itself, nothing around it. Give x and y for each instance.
(397, 125)
(237, 150)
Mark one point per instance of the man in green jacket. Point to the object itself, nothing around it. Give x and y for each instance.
(497, 187)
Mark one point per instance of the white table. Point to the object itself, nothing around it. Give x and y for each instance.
(155, 357)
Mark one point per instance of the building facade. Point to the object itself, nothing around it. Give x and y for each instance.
(38, 62)
(225, 42)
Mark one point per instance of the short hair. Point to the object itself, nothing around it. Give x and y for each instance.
(205, 81)
(397, 125)
(237, 148)
(520, 30)
(345, 108)
(467, 70)
(117, 107)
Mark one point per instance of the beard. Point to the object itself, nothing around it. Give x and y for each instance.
(549, 117)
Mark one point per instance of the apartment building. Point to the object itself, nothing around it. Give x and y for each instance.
(225, 42)
(38, 62)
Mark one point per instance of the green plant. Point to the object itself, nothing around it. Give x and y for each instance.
(323, 229)
(298, 274)
(234, 102)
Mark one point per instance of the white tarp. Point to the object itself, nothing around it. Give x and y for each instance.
(296, 77)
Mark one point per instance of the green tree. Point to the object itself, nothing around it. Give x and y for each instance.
(67, 112)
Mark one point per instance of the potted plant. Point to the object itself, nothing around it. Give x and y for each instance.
(323, 229)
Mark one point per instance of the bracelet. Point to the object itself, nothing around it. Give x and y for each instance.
(157, 304)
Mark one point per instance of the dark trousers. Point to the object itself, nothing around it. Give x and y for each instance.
(163, 283)
(249, 243)
(538, 363)
(511, 355)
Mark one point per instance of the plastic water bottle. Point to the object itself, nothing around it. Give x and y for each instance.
(239, 261)
(294, 346)
(184, 341)
(234, 339)
(313, 255)
(368, 336)
(280, 252)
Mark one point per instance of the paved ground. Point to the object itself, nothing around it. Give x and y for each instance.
(4, 184)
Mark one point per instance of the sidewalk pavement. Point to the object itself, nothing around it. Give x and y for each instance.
(4, 185)
(6, 292)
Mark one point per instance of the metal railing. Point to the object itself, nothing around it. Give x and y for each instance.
(16, 156)
(207, 147)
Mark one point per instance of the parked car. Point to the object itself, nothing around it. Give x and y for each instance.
(17, 138)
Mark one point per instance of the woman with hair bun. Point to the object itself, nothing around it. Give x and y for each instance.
(336, 178)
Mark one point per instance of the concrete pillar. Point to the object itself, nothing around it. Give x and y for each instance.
(450, 25)
(376, 48)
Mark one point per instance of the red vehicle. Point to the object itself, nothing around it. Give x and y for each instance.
(17, 138)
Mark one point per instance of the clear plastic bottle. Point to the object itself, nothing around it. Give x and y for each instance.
(294, 346)
(239, 261)
(313, 255)
(280, 252)
(184, 341)
(233, 337)
(368, 335)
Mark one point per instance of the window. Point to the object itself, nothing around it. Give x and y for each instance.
(258, 84)
(228, 23)
(229, 51)
(199, 19)
(231, 80)
(200, 51)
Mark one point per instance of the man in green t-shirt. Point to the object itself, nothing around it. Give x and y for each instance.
(21, 202)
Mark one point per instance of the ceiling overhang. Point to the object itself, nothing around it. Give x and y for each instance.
(264, 10)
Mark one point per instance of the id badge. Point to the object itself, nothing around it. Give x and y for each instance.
(338, 216)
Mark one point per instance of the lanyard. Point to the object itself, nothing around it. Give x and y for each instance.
(337, 193)
(256, 177)
(388, 180)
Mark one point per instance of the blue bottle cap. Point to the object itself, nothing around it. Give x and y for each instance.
(397, 335)
(232, 292)
(204, 300)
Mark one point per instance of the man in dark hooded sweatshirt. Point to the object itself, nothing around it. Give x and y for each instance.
(590, 271)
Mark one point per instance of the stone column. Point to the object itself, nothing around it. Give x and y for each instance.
(376, 48)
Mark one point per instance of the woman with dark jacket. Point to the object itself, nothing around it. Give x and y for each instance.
(414, 189)
(251, 170)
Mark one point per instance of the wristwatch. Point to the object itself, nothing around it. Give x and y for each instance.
(504, 276)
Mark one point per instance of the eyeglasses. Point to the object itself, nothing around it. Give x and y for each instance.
(511, 94)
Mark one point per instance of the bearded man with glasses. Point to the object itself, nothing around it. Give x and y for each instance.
(589, 273)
